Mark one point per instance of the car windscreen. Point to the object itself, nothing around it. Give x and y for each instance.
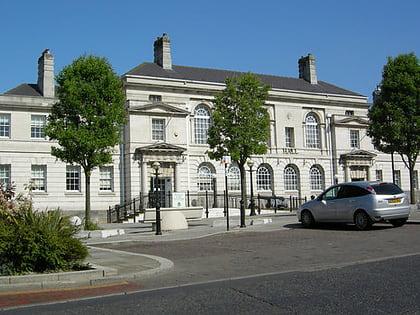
(387, 189)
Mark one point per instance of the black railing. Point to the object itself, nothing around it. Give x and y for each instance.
(206, 199)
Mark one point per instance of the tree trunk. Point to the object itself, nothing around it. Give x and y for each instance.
(243, 193)
(411, 165)
(87, 200)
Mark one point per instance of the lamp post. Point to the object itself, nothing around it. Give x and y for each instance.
(156, 166)
(252, 205)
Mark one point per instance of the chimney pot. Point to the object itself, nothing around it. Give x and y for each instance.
(46, 74)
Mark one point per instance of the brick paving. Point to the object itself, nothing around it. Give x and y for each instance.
(42, 296)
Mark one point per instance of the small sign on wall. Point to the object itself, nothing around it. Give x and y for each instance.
(178, 199)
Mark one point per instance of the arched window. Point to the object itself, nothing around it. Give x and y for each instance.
(205, 178)
(234, 178)
(201, 124)
(312, 131)
(264, 178)
(316, 178)
(290, 178)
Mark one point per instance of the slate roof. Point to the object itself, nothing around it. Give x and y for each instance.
(219, 76)
(25, 90)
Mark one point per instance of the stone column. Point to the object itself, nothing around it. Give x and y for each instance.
(143, 178)
(177, 177)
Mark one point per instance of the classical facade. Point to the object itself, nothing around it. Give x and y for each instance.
(318, 137)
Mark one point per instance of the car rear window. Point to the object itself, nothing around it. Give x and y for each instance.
(387, 189)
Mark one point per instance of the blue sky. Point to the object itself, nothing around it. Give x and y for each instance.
(350, 40)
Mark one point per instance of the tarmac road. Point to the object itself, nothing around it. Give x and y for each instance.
(242, 254)
(329, 270)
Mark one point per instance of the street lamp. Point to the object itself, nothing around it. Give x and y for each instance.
(250, 164)
(156, 166)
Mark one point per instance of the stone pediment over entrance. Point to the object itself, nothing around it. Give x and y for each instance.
(358, 154)
(162, 151)
(161, 147)
(357, 157)
(159, 108)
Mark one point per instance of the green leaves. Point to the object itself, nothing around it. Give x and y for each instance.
(240, 125)
(88, 118)
(395, 115)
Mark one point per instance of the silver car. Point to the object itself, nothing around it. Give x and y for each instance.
(361, 203)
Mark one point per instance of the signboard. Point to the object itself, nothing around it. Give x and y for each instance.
(178, 200)
(226, 159)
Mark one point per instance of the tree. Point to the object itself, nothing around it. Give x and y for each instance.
(240, 124)
(394, 118)
(88, 118)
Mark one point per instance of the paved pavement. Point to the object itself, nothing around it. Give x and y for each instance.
(114, 269)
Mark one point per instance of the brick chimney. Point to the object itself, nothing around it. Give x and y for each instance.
(163, 52)
(46, 74)
(307, 69)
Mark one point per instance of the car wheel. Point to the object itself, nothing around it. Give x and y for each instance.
(398, 222)
(362, 220)
(307, 218)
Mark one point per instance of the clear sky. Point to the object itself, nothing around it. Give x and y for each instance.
(350, 40)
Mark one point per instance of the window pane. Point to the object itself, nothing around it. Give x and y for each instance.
(106, 178)
(205, 178)
(263, 178)
(289, 137)
(201, 124)
(158, 129)
(290, 178)
(312, 131)
(354, 138)
(397, 178)
(72, 178)
(37, 126)
(379, 176)
(316, 179)
(5, 174)
(234, 178)
(38, 177)
(155, 98)
(4, 125)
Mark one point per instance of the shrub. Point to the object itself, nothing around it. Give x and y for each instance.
(34, 241)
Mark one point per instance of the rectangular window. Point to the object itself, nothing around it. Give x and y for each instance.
(158, 129)
(416, 179)
(397, 178)
(349, 113)
(289, 137)
(37, 126)
(155, 98)
(354, 138)
(72, 178)
(39, 178)
(106, 178)
(5, 125)
(379, 176)
(5, 174)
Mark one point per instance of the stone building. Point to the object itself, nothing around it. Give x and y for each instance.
(318, 137)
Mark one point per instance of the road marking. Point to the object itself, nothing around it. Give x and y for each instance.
(66, 289)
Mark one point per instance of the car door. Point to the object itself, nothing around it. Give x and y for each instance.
(324, 208)
(346, 204)
(353, 198)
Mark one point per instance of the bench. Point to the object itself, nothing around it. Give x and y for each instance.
(190, 213)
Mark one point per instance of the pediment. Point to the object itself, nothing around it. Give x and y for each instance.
(352, 120)
(358, 154)
(160, 108)
(161, 147)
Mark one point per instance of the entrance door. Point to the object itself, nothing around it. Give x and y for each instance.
(358, 173)
(164, 189)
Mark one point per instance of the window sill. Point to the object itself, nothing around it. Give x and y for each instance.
(106, 193)
(73, 193)
(39, 193)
